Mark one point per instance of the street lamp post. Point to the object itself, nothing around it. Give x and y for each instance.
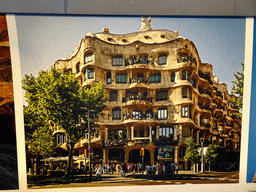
(202, 155)
(89, 145)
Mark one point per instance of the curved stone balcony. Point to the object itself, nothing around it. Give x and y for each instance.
(79, 74)
(205, 77)
(88, 82)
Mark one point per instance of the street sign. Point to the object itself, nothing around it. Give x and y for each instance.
(90, 151)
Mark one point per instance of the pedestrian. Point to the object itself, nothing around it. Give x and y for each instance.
(98, 173)
(173, 168)
(123, 169)
(140, 167)
(177, 169)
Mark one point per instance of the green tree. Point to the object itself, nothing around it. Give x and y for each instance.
(42, 142)
(191, 152)
(211, 154)
(237, 91)
(58, 98)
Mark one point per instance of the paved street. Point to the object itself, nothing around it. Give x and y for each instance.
(184, 177)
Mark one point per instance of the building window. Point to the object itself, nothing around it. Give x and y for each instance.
(193, 83)
(166, 132)
(116, 114)
(186, 92)
(173, 77)
(149, 114)
(155, 78)
(185, 111)
(113, 95)
(117, 134)
(121, 78)
(185, 132)
(109, 80)
(78, 68)
(215, 124)
(182, 152)
(117, 61)
(161, 95)
(162, 114)
(136, 115)
(90, 73)
(162, 60)
(85, 75)
(88, 58)
(185, 75)
(60, 139)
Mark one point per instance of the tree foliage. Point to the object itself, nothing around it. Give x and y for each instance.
(42, 142)
(237, 90)
(191, 152)
(211, 153)
(58, 99)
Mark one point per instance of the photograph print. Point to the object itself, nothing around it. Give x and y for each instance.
(139, 100)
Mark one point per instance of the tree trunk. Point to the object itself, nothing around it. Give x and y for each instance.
(70, 158)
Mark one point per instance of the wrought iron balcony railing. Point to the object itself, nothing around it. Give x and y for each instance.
(150, 115)
(138, 80)
(119, 142)
(142, 60)
(137, 98)
(186, 59)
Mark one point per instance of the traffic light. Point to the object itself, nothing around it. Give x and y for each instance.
(142, 151)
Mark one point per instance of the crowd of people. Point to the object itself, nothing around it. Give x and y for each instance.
(135, 168)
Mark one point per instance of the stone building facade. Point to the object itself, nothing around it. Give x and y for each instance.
(159, 93)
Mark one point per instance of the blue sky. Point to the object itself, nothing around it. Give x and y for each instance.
(44, 39)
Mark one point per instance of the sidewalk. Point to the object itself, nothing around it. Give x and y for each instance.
(34, 180)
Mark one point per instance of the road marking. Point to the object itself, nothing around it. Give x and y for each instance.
(189, 183)
(211, 178)
(177, 182)
(223, 178)
(35, 187)
(159, 181)
(168, 182)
